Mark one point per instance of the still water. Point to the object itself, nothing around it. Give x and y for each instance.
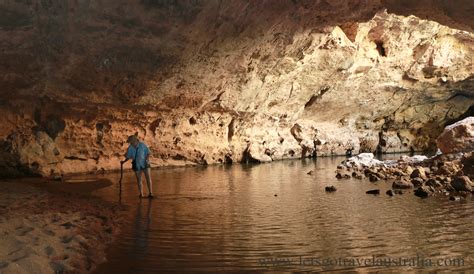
(276, 217)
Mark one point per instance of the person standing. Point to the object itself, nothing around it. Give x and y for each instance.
(139, 153)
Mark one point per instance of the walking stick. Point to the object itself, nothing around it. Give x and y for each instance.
(120, 181)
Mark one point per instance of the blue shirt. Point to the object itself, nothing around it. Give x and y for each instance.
(138, 154)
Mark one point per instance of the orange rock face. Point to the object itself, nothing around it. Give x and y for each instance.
(205, 82)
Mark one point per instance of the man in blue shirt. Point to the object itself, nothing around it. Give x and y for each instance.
(139, 153)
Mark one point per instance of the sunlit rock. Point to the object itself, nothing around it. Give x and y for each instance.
(458, 137)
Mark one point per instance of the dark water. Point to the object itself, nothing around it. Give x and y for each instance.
(275, 217)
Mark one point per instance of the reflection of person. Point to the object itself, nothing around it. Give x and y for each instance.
(142, 227)
(139, 153)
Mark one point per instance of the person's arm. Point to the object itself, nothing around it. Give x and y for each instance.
(127, 155)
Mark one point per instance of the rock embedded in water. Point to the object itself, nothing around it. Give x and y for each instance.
(455, 198)
(310, 172)
(330, 188)
(462, 183)
(373, 191)
(458, 137)
(390, 192)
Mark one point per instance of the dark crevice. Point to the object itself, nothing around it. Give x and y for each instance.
(230, 132)
(380, 48)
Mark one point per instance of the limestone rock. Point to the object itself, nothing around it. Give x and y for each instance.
(458, 137)
(362, 160)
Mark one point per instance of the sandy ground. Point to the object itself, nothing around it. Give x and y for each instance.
(46, 227)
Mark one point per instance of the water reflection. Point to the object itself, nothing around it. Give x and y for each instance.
(231, 217)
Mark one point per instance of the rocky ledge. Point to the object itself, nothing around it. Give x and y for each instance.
(447, 174)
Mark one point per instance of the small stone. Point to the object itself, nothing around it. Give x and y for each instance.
(402, 184)
(373, 191)
(330, 188)
(390, 192)
(455, 198)
(310, 172)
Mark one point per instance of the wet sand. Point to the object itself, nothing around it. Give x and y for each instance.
(48, 226)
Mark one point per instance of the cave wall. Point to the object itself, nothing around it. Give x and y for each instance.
(207, 82)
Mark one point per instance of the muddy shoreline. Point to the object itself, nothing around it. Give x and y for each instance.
(48, 226)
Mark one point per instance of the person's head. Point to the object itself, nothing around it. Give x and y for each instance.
(133, 140)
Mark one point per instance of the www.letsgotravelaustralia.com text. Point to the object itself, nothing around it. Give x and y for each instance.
(417, 261)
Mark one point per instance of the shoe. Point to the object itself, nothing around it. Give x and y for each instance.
(150, 196)
(141, 196)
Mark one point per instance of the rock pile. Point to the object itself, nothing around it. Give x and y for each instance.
(428, 176)
(443, 173)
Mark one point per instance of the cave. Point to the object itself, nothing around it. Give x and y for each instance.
(234, 113)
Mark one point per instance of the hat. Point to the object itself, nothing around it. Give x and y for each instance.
(132, 138)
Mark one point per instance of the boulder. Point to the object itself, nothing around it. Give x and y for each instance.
(458, 137)
(462, 183)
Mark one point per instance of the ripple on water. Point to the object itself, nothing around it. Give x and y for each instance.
(228, 218)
